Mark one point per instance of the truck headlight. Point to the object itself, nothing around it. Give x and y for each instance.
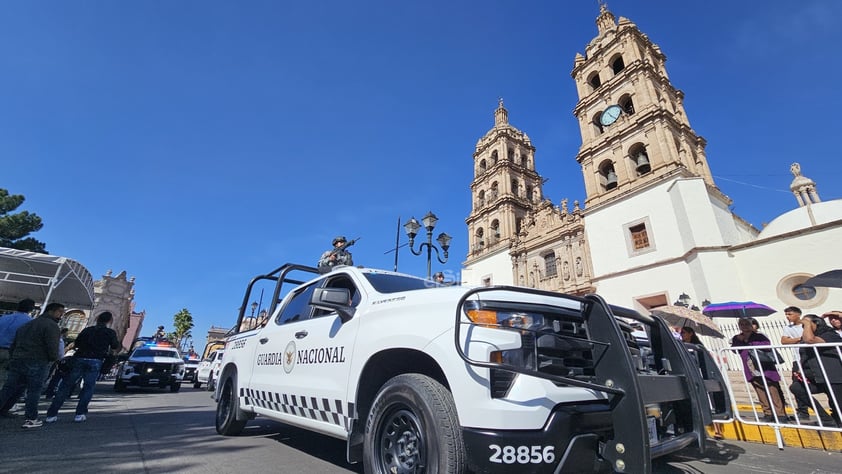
(509, 319)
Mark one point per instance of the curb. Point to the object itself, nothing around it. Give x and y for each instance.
(795, 437)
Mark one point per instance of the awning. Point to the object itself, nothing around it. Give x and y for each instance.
(45, 279)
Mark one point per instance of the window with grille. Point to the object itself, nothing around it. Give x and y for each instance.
(639, 237)
(550, 265)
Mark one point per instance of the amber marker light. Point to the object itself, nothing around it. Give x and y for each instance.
(483, 317)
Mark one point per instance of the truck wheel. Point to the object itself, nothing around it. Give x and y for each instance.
(413, 427)
(119, 385)
(227, 407)
(210, 382)
(196, 383)
(176, 386)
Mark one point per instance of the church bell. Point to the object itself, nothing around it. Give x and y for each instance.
(610, 179)
(642, 160)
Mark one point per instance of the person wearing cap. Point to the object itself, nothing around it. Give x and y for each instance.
(338, 255)
(438, 277)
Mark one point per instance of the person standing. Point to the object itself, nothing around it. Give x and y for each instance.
(760, 377)
(822, 365)
(9, 325)
(93, 345)
(792, 335)
(338, 255)
(35, 347)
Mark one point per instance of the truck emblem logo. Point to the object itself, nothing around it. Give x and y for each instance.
(289, 357)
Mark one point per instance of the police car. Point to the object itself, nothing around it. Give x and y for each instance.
(421, 377)
(191, 363)
(151, 365)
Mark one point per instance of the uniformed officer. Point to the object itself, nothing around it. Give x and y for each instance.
(336, 256)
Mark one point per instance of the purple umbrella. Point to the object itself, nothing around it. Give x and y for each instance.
(737, 309)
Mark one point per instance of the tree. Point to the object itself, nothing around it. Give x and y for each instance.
(15, 227)
(182, 324)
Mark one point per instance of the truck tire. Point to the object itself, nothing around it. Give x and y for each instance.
(227, 407)
(210, 382)
(175, 386)
(413, 427)
(119, 385)
(196, 383)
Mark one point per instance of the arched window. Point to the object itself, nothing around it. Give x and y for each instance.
(626, 104)
(523, 160)
(482, 167)
(494, 191)
(515, 188)
(529, 193)
(617, 64)
(640, 159)
(607, 175)
(74, 321)
(481, 199)
(479, 239)
(495, 231)
(594, 81)
(597, 124)
(518, 225)
(511, 155)
(493, 157)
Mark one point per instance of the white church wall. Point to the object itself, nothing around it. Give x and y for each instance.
(624, 289)
(678, 218)
(770, 268)
(497, 266)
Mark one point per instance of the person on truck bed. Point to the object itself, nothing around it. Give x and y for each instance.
(338, 255)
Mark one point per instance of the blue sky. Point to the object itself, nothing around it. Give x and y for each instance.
(195, 144)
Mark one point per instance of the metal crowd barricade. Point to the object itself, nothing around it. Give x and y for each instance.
(730, 360)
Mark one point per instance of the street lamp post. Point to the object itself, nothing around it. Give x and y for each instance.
(684, 300)
(429, 221)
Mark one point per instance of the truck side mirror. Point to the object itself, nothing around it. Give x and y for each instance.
(334, 299)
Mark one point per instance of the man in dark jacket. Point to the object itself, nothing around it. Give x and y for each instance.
(35, 347)
(93, 345)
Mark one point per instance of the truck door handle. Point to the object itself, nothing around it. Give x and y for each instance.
(264, 340)
(301, 334)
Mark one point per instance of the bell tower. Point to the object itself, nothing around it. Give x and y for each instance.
(504, 189)
(634, 129)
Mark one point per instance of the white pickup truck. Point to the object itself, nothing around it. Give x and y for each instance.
(421, 377)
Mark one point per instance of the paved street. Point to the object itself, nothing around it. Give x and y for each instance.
(151, 431)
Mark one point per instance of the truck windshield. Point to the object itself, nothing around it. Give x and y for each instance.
(395, 283)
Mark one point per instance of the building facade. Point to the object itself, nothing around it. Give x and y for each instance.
(653, 224)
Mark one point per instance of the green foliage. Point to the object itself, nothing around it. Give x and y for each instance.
(182, 324)
(15, 227)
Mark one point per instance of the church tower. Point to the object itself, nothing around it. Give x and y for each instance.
(632, 120)
(504, 190)
(653, 216)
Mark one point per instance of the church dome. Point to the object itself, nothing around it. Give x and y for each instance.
(800, 219)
